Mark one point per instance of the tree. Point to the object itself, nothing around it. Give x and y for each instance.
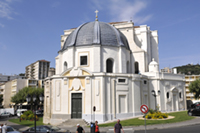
(20, 96)
(194, 87)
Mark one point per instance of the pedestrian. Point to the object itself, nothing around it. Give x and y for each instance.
(4, 128)
(118, 127)
(96, 127)
(79, 129)
(1, 125)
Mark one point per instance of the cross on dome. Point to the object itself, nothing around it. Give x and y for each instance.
(96, 15)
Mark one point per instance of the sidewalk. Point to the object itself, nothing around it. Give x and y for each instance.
(134, 128)
(127, 129)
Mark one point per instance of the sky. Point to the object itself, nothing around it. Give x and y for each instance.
(31, 30)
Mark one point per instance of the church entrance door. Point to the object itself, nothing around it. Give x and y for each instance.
(76, 106)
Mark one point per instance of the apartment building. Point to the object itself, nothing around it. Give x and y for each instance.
(5, 78)
(37, 70)
(10, 88)
(51, 71)
(188, 80)
(169, 70)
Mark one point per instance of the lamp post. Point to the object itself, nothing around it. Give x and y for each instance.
(28, 99)
(41, 98)
(20, 107)
(154, 94)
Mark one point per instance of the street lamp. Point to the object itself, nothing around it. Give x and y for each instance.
(20, 107)
(154, 94)
(41, 97)
(34, 98)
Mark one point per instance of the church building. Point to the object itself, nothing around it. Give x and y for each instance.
(114, 67)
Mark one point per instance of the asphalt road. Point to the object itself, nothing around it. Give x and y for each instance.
(185, 129)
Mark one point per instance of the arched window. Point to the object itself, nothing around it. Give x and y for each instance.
(65, 66)
(127, 67)
(109, 66)
(136, 67)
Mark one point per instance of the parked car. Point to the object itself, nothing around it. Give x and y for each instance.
(11, 130)
(195, 104)
(39, 112)
(20, 112)
(194, 111)
(6, 114)
(45, 129)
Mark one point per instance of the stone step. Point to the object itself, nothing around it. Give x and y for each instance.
(74, 122)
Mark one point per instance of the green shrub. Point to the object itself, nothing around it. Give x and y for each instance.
(164, 115)
(27, 113)
(156, 115)
(151, 111)
(23, 117)
(148, 116)
(160, 117)
(32, 117)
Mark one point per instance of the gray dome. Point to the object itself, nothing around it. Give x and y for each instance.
(96, 33)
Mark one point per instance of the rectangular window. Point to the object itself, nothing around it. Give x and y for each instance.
(121, 80)
(167, 95)
(83, 60)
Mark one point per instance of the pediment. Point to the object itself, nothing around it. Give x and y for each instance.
(174, 89)
(76, 72)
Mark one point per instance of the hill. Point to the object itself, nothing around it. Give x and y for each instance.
(189, 69)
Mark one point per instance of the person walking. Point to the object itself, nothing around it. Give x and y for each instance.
(79, 129)
(118, 127)
(4, 128)
(1, 125)
(96, 127)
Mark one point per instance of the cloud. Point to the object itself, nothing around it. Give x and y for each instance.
(124, 10)
(5, 10)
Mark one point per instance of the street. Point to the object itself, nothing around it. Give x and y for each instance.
(183, 129)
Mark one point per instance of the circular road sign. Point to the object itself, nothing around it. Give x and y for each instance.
(144, 109)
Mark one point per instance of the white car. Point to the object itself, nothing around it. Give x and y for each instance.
(6, 114)
(20, 112)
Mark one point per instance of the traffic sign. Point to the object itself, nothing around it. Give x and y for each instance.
(144, 109)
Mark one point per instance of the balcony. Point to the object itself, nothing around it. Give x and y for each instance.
(14, 90)
(14, 84)
(186, 85)
(2, 87)
(32, 83)
(187, 90)
(190, 95)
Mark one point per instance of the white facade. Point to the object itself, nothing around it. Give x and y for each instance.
(86, 78)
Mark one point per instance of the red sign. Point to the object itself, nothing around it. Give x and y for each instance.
(144, 109)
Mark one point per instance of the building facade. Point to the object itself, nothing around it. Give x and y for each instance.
(38, 70)
(188, 80)
(10, 88)
(5, 78)
(114, 67)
